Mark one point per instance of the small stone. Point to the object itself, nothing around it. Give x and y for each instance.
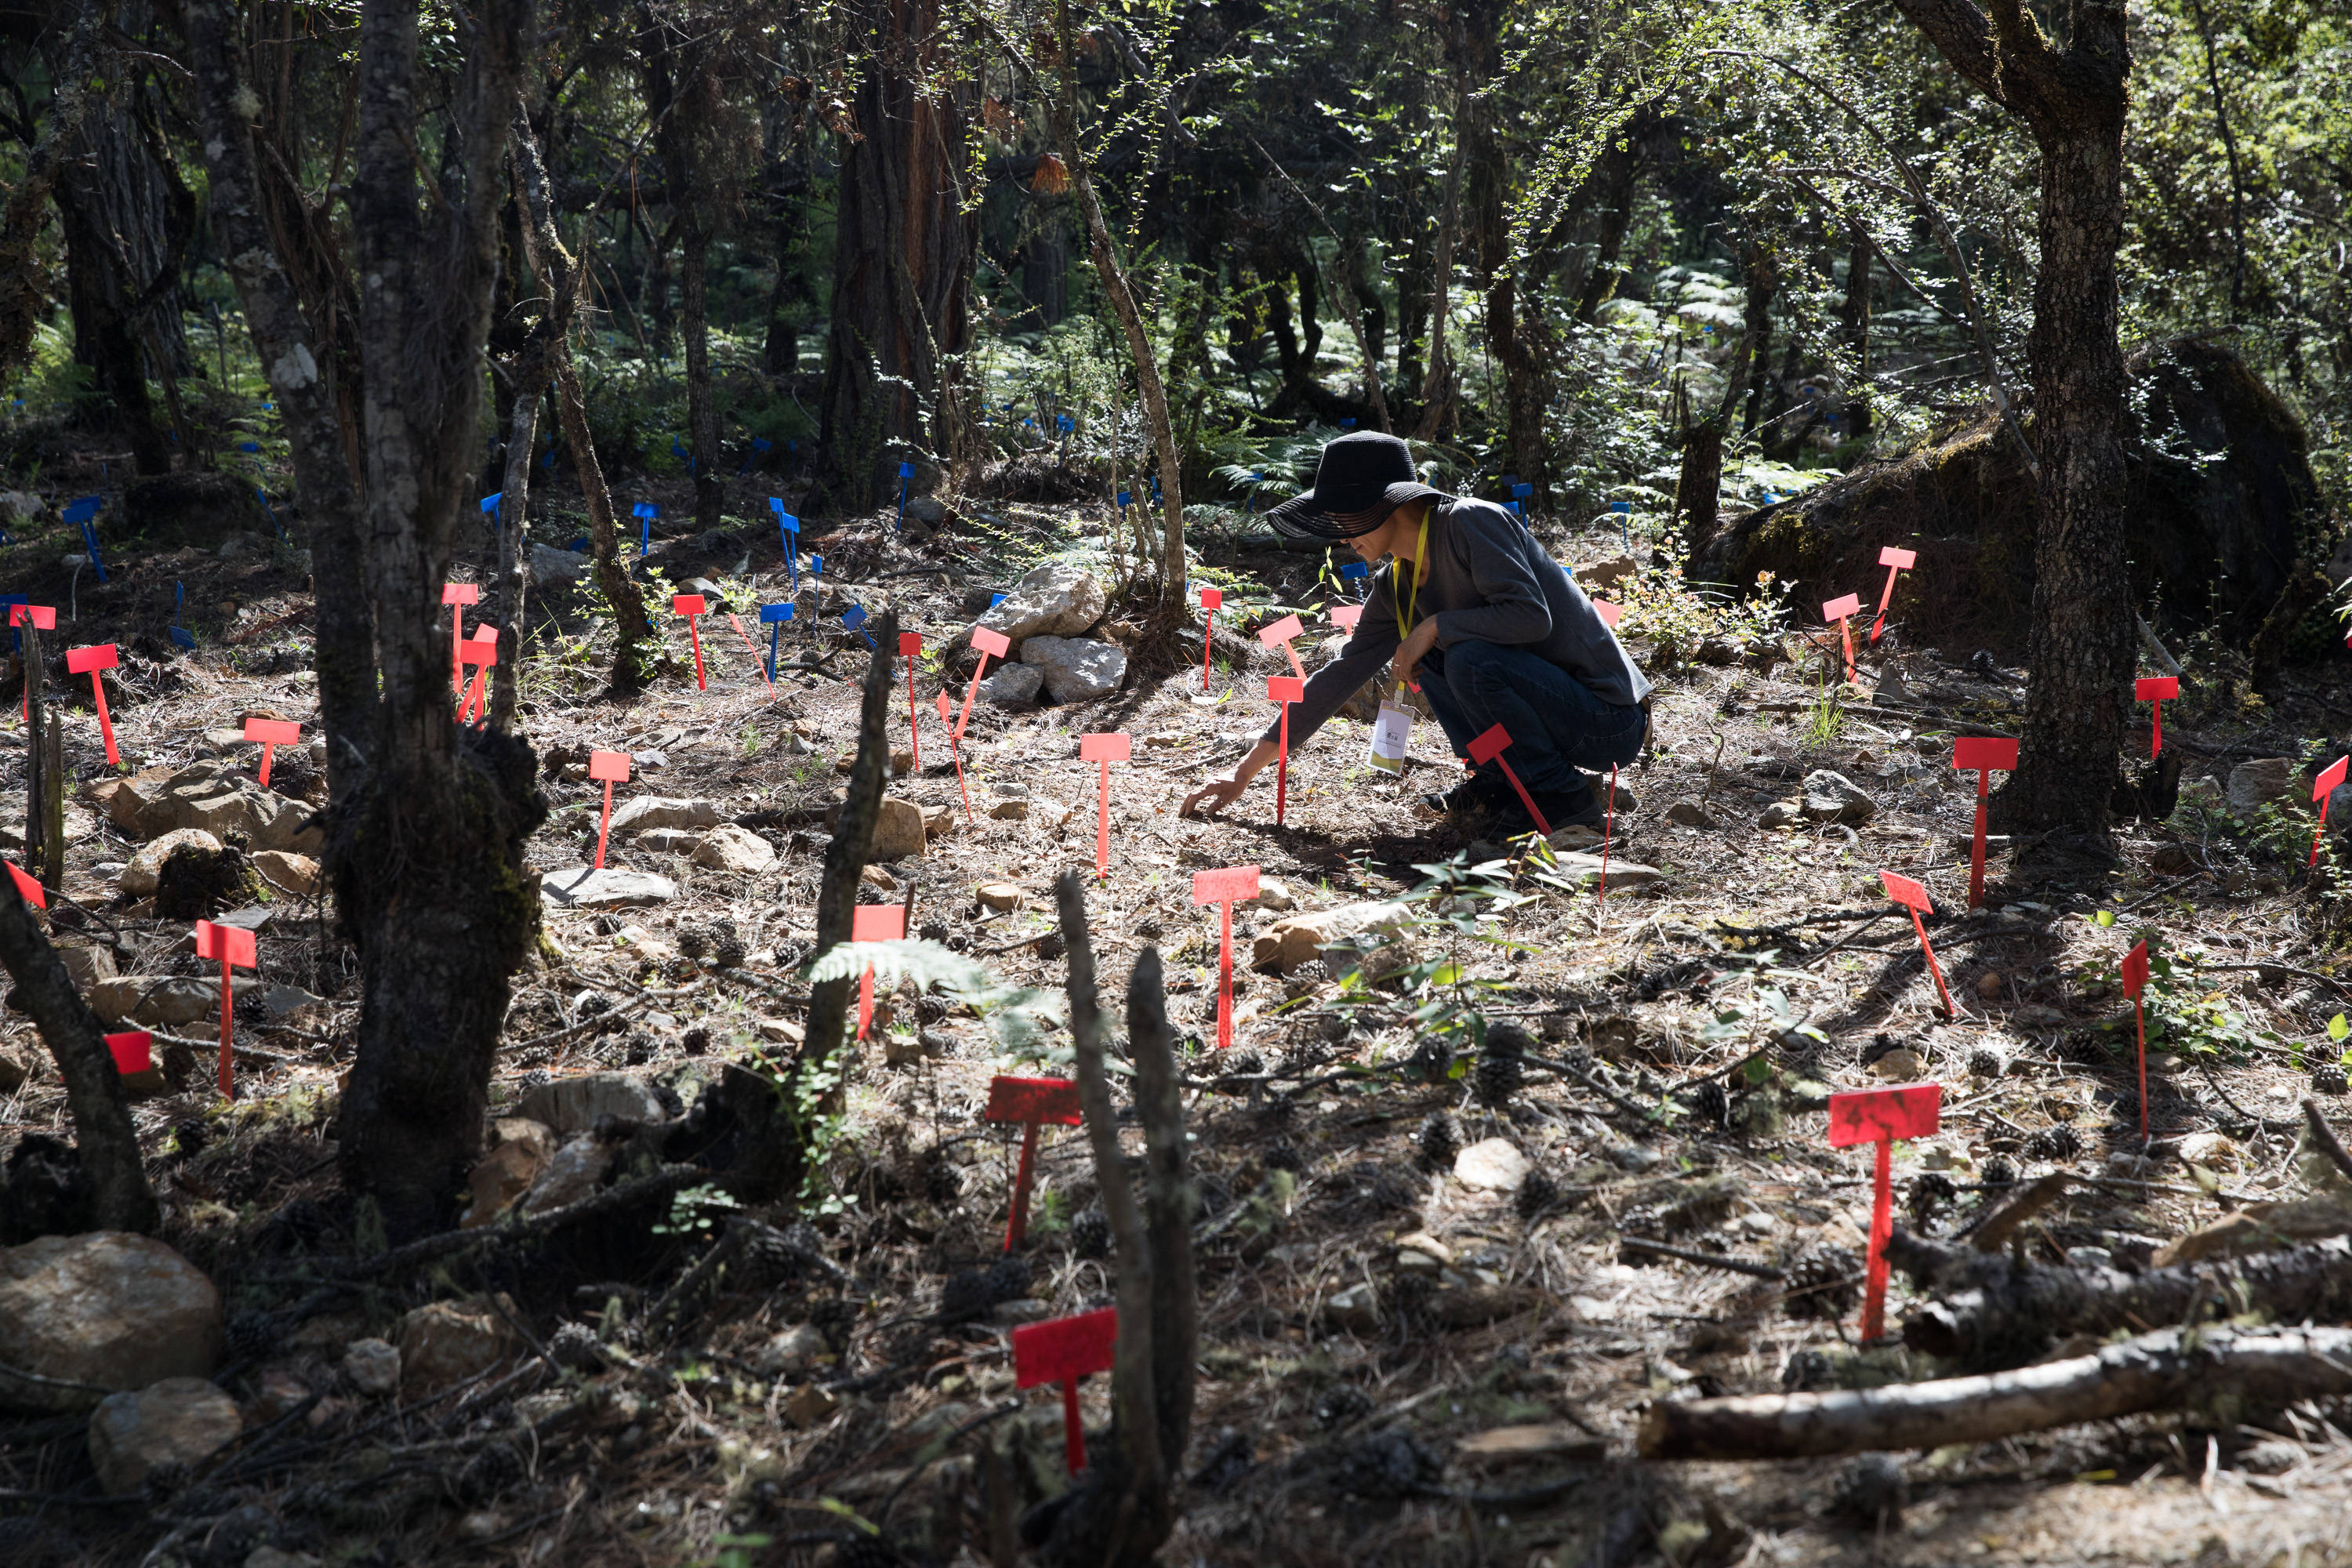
(1426, 1245)
(500, 1177)
(1989, 985)
(446, 1342)
(738, 851)
(1604, 575)
(1514, 1445)
(1302, 938)
(146, 868)
(1625, 876)
(581, 887)
(899, 831)
(1901, 1065)
(808, 1404)
(1688, 814)
(1492, 1165)
(1077, 669)
(1833, 797)
(661, 811)
(793, 1353)
(1273, 894)
(1010, 811)
(1000, 896)
(86, 966)
(113, 1311)
(578, 1169)
(1019, 1310)
(1013, 685)
(1357, 1308)
(298, 874)
(570, 1105)
(373, 1366)
(173, 1421)
(1782, 814)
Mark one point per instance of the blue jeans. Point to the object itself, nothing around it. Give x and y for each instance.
(1556, 724)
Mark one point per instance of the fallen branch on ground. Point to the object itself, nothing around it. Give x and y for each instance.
(2176, 1369)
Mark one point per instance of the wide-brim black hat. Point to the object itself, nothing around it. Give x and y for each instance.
(1359, 480)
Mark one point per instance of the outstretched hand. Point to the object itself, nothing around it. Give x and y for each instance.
(1214, 795)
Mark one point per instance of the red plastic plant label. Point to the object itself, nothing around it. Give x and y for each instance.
(2324, 785)
(1913, 1111)
(1839, 609)
(40, 617)
(1064, 1350)
(947, 709)
(2157, 688)
(226, 944)
(1610, 613)
(27, 885)
(1228, 885)
(878, 922)
(1983, 752)
(1345, 616)
(1051, 1101)
(1276, 633)
(909, 644)
(88, 660)
(1485, 747)
(1911, 895)
(689, 605)
(611, 766)
(1213, 599)
(132, 1050)
(1285, 689)
(461, 592)
(995, 643)
(273, 731)
(1901, 560)
(2135, 970)
(1111, 746)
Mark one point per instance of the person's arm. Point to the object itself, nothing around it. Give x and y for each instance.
(1367, 649)
(1512, 610)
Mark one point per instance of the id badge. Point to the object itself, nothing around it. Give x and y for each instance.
(1392, 731)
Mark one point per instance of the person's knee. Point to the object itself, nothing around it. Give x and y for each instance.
(1475, 670)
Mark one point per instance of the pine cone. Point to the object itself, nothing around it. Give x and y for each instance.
(1342, 1403)
(1985, 1062)
(575, 1345)
(2059, 1146)
(1929, 1193)
(1497, 1075)
(494, 1467)
(1090, 1235)
(729, 953)
(1432, 1060)
(1240, 1062)
(1437, 1141)
(252, 1335)
(1710, 1105)
(1536, 1194)
(1824, 1282)
(2327, 1078)
(1872, 1489)
(2000, 1171)
(694, 1041)
(693, 940)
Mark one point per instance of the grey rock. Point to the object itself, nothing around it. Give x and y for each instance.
(1782, 814)
(792, 1353)
(1013, 685)
(1357, 1308)
(1494, 1165)
(579, 888)
(1625, 876)
(146, 866)
(550, 566)
(572, 1105)
(926, 509)
(373, 1366)
(105, 1309)
(578, 1169)
(157, 1001)
(87, 966)
(173, 1421)
(2266, 780)
(1077, 669)
(661, 811)
(1833, 797)
(738, 850)
(1689, 814)
(899, 831)
(1058, 599)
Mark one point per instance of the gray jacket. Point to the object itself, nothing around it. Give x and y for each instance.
(1489, 580)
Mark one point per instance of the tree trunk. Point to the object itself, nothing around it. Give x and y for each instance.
(24, 283)
(427, 861)
(2081, 648)
(1486, 189)
(678, 90)
(634, 647)
(1855, 316)
(1437, 384)
(894, 379)
(105, 1143)
(1612, 198)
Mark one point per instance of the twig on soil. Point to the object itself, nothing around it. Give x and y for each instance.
(1705, 1259)
(2341, 989)
(2324, 1139)
(1994, 1228)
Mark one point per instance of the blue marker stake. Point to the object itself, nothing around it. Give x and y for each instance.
(759, 445)
(1123, 499)
(80, 512)
(677, 452)
(775, 615)
(906, 474)
(15, 637)
(548, 461)
(495, 504)
(181, 636)
(645, 510)
(997, 599)
(1625, 511)
(788, 528)
(1064, 423)
(1357, 576)
(854, 619)
(817, 565)
(1250, 508)
(578, 546)
(270, 512)
(1347, 424)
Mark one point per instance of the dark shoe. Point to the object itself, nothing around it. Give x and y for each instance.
(1481, 793)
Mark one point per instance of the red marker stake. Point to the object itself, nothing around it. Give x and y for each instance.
(41, 619)
(1279, 634)
(457, 596)
(1034, 1101)
(1282, 690)
(910, 647)
(1894, 561)
(90, 661)
(134, 1051)
(2321, 788)
(1880, 1116)
(28, 886)
(613, 767)
(1914, 897)
(232, 945)
(272, 733)
(955, 756)
(1116, 746)
(2135, 982)
(1608, 823)
(737, 622)
(874, 922)
(1222, 887)
(1983, 753)
(992, 645)
(1345, 616)
(1488, 748)
(1838, 610)
(691, 606)
(481, 651)
(1064, 1350)
(1610, 613)
(1212, 600)
(2157, 690)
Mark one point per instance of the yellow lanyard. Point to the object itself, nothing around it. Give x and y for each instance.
(1420, 569)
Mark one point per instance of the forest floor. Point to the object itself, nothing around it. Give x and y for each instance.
(1369, 1319)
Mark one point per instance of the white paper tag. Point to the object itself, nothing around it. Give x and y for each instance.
(1392, 731)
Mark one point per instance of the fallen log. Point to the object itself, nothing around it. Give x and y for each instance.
(1990, 1310)
(2235, 1374)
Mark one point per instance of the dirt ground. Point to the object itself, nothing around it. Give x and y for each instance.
(1344, 1380)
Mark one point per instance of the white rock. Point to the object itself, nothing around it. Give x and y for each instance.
(660, 811)
(793, 1353)
(1833, 797)
(1358, 1307)
(579, 887)
(1013, 685)
(1058, 599)
(1302, 938)
(572, 1105)
(298, 874)
(1077, 669)
(373, 1365)
(107, 1309)
(1625, 876)
(1494, 1165)
(173, 1421)
(737, 850)
(670, 840)
(146, 868)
